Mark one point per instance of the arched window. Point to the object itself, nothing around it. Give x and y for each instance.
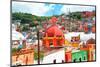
(80, 59)
(54, 61)
(74, 60)
(84, 58)
(51, 43)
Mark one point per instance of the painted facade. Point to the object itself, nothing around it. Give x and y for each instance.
(53, 36)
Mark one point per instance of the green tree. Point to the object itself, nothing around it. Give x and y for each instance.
(36, 55)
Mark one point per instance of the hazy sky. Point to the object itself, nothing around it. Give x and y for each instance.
(43, 9)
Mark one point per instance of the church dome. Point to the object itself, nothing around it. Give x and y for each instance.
(54, 31)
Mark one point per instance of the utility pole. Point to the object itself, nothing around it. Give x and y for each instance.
(37, 29)
(38, 47)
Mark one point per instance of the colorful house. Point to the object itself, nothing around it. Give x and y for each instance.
(75, 40)
(17, 37)
(85, 53)
(67, 43)
(89, 47)
(89, 19)
(76, 56)
(68, 56)
(23, 57)
(53, 36)
(79, 56)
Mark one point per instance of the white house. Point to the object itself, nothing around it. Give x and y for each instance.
(59, 56)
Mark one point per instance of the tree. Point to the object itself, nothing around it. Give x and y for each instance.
(14, 50)
(75, 15)
(24, 17)
(36, 55)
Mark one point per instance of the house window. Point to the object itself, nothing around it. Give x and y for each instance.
(80, 59)
(54, 61)
(58, 42)
(84, 58)
(51, 44)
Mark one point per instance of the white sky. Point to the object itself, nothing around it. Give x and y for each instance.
(41, 9)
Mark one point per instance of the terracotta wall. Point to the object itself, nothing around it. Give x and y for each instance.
(24, 58)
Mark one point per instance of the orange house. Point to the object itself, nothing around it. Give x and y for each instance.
(53, 37)
(90, 46)
(24, 57)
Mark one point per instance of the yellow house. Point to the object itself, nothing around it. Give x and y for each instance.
(75, 41)
(67, 43)
(75, 44)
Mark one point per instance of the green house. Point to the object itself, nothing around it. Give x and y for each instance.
(79, 56)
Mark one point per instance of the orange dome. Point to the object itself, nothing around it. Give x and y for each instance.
(54, 31)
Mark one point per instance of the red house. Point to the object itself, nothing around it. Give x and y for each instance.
(53, 36)
(68, 56)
